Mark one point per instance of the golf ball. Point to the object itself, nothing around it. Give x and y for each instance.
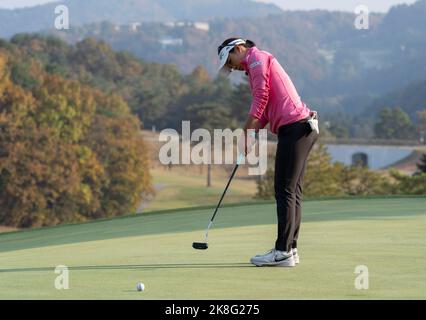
(140, 286)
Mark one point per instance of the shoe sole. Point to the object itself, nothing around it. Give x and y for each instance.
(274, 264)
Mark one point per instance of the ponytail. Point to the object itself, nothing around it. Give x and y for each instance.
(250, 44)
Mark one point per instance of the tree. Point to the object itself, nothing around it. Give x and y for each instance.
(240, 101)
(324, 178)
(414, 185)
(394, 124)
(321, 176)
(209, 116)
(421, 166)
(117, 144)
(338, 124)
(68, 152)
(421, 116)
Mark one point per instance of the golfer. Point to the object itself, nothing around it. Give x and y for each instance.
(276, 101)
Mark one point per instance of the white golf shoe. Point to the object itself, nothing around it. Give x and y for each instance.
(274, 258)
(296, 256)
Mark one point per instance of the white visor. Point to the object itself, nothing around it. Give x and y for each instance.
(224, 54)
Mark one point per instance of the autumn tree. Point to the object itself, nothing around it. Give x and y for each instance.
(68, 152)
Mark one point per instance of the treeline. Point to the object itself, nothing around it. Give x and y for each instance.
(68, 152)
(70, 120)
(391, 123)
(324, 178)
(162, 97)
(157, 93)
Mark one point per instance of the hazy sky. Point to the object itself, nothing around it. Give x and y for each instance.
(21, 3)
(346, 5)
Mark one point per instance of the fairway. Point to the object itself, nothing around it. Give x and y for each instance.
(182, 188)
(107, 258)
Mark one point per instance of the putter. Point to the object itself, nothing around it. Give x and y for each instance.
(204, 245)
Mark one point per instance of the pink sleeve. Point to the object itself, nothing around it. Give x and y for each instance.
(263, 121)
(259, 78)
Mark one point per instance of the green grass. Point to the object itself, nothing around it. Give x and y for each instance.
(186, 187)
(107, 258)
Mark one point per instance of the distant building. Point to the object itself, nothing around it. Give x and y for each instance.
(373, 157)
(204, 26)
(171, 42)
(134, 26)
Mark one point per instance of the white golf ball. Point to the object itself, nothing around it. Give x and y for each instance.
(140, 286)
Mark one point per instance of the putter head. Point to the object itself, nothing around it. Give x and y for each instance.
(200, 245)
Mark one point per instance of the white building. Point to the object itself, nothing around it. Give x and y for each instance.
(374, 157)
(204, 26)
(171, 42)
(134, 26)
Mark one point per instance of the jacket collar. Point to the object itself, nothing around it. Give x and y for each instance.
(247, 57)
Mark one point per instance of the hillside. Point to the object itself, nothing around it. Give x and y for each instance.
(411, 99)
(128, 11)
(334, 66)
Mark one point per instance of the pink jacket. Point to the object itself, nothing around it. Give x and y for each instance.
(275, 99)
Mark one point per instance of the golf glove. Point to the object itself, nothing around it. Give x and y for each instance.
(247, 144)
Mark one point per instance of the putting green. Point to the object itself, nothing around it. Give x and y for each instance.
(107, 258)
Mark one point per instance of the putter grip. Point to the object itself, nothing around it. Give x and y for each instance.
(242, 156)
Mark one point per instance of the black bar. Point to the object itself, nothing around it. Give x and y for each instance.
(215, 309)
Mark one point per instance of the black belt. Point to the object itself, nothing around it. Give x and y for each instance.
(300, 121)
(303, 120)
(293, 123)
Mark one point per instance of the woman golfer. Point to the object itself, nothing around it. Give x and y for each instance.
(276, 101)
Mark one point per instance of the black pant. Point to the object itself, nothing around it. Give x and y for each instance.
(295, 141)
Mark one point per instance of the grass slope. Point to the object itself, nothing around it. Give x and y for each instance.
(186, 187)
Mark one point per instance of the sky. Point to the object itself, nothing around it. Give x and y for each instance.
(341, 5)
(344, 5)
(9, 4)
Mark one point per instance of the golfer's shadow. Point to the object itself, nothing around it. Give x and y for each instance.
(165, 266)
(137, 267)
